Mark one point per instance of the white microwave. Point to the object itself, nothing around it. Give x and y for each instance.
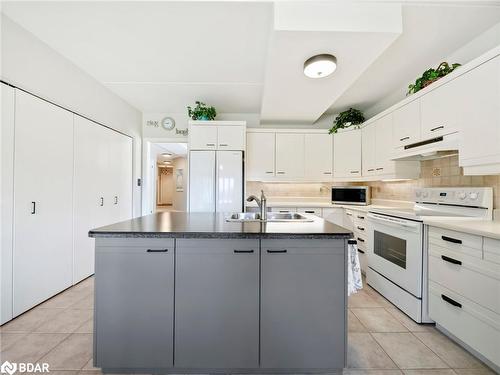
(354, 195)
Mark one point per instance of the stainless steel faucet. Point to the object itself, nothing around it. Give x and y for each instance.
(262, 203)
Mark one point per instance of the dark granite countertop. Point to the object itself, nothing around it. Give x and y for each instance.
(214, 225)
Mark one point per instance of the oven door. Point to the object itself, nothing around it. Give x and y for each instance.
(397, 252)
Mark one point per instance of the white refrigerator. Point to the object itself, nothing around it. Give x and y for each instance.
(215, 181)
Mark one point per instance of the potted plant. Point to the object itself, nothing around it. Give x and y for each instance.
(201, 112)
(346, 119)
(431, 75)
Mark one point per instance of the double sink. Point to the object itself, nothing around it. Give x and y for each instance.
(271, 217)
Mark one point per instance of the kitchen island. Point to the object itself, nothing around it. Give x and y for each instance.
(194, 293)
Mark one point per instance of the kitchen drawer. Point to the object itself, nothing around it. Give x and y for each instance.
(284, 209)
(457, 241)
(315, 211)
(477, 327)
(491, 250)
(468, 276)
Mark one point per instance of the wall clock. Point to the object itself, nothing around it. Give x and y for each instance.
(168, 123)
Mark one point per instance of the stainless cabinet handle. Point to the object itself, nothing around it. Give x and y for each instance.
(348, 214)
(354, 171)
(210, 144)
(222, 144)
(360, 228)
(371, 170)
(243, 251)
(277, 251)
(361, 217)
(327, 172)
(281, 172)
(33, 208)
(379, 169)
(360, 239)
(101, 201)
(269, 172)
(404, 138)
(116, 199)
(437, 128)
(157, 250)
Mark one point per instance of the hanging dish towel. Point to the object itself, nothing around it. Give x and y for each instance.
(354, 281)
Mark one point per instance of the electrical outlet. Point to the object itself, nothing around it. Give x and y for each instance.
(436, 172)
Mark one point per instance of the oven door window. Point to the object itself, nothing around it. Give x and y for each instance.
(390, 248)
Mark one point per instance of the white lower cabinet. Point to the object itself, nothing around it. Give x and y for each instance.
(334, 215)
(43, 201)
(464, 289)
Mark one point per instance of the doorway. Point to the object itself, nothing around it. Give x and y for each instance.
(165, 177)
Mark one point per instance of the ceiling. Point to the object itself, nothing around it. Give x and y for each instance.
(246, 57)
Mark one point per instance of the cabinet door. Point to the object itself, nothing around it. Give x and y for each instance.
(441, 109)
(217, 304)
(43, 201)
(334, 215)
(368, 149)
(303, 304)
(7, 199)
(289, 155)
(407, 124)
(203, 137)
(347, 154)
(383, 146)
(134, 304)
(260, 156)
(231, 137)
(120, 177)
(318, 156)
(90, 176)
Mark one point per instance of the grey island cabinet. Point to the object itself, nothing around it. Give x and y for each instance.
(190, 293)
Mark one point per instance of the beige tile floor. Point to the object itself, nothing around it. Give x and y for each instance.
(382, 340)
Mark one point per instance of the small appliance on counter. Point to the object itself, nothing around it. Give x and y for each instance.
(353, 195)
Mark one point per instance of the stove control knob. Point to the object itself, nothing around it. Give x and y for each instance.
(462, 195)
(473, 196)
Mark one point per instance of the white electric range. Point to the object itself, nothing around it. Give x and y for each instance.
(397, 252)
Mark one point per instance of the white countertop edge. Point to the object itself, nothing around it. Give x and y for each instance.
(479, 227)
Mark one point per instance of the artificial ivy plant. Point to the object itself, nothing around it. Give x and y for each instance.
(346, 119)
(201, 112)
(431, 75)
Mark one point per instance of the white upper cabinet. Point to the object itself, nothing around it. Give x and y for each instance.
(318, 157)
(407, 124)
(217, 135)
(260, 156)
(231, 137)
(368, 150)
(347, 154)
(479, 152)
(440, 109)
(383, 145)
(289, 155)
(203, 137)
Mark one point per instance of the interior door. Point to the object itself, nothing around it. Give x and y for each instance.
(229, 175)
(43, 201)
(202, 181)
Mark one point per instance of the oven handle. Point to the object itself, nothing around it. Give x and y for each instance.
(393, 221)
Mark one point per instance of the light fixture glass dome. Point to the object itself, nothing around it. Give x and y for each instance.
(320, 66)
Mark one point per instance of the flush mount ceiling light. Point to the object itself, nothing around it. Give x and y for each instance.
(320, 66)
(166, 154)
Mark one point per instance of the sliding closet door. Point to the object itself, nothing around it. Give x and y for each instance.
(43, 177)
(6, 208)
(123, 182)
(91, 201)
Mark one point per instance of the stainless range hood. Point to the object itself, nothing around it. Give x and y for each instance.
(434, 148)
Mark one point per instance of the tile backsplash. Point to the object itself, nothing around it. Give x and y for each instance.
(434, 173)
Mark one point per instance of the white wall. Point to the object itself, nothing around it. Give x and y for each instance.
(30, 64)
(476, 47)
(179, 201)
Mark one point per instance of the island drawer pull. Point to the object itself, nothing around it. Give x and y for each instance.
(243, 251)
(360, 239)
(157, 250)
(451, 260)
(309, 212)
(277, 251)
(437, 128)
(361, 251)
(450, 239)
(360, 228)
(451, 301)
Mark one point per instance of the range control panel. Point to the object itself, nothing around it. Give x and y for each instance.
(466, 196)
